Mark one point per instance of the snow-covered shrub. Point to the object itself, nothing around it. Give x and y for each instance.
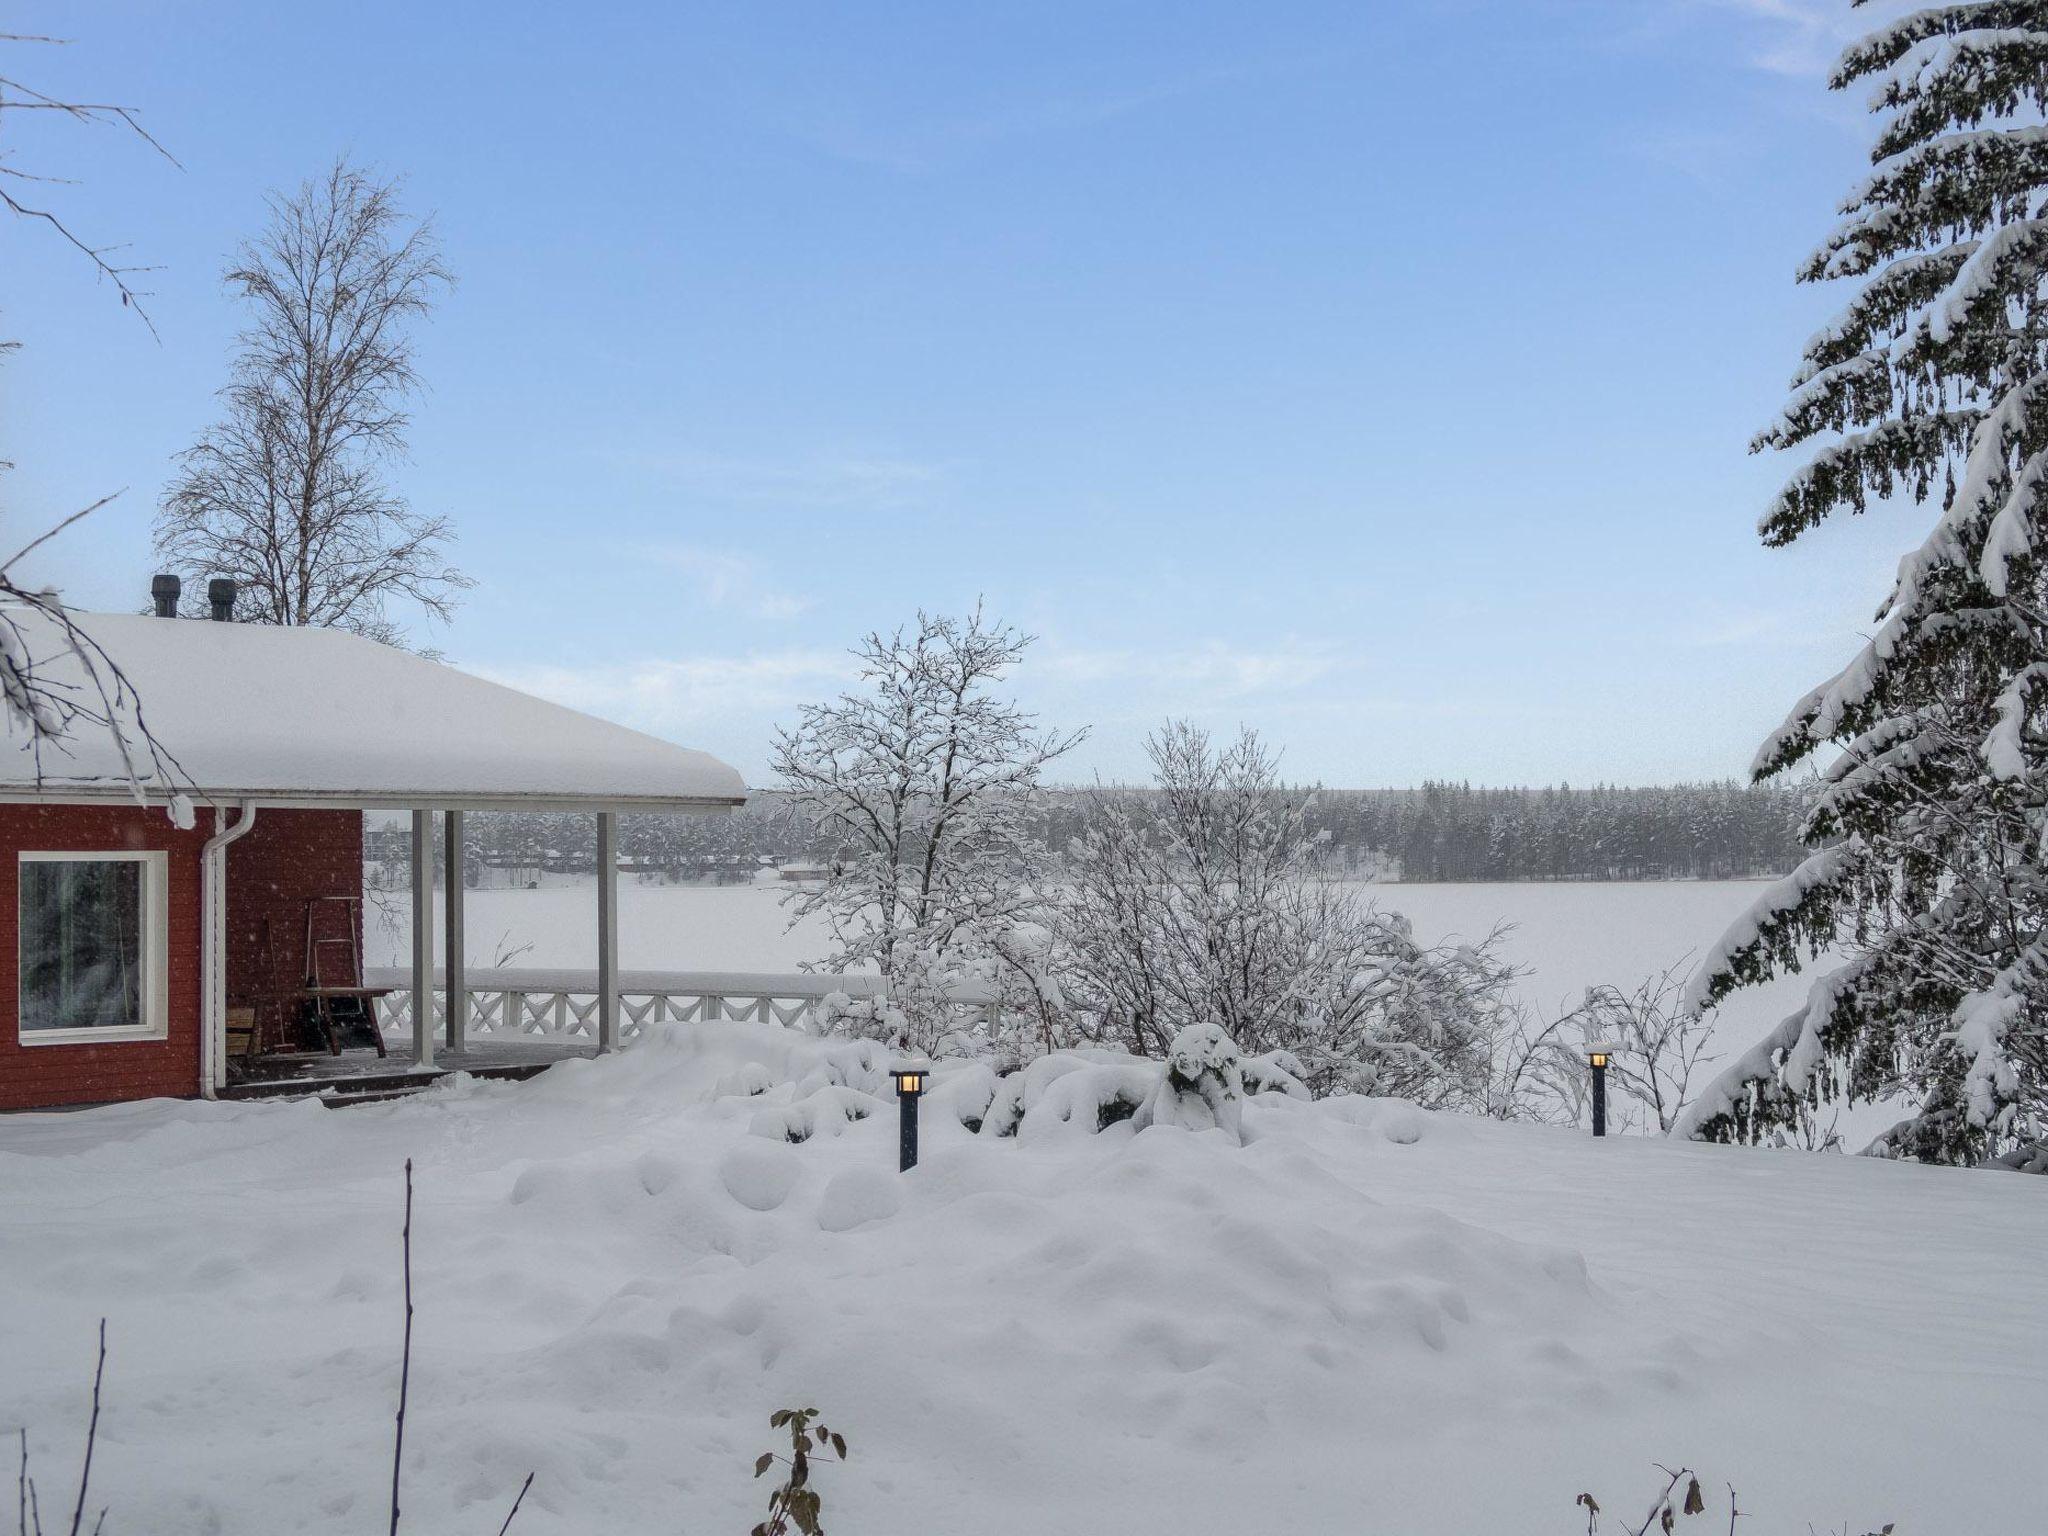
(1202, 1087)
(1274, 1072)
(1091, 1089)
(963, 1090)
(1092, 1098)
(966, 1000)
(1028, 1015)
(734, 1060)
(1538, 1072)
(864, 1018)
(1210, 899)
(1408, 1021)
(821, 1110)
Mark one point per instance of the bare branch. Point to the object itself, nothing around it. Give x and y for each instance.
(18, 97)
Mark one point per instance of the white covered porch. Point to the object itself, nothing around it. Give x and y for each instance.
(247, 719)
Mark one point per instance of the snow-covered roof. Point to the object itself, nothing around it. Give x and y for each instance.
(317, 716)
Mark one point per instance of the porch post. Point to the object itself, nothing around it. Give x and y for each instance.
(451, 936)
(423, 938)
(607, 930)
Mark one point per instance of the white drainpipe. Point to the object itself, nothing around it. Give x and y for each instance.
(213, 944)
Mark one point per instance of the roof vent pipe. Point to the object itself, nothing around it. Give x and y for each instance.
(163, 591)
(220, 598)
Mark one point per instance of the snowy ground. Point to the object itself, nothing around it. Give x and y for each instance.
(1366, 1319)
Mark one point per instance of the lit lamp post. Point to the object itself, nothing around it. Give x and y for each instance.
(910, 1079)
(1597, 1053)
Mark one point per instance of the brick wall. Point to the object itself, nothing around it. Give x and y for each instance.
(36, 1076)
(286, 857)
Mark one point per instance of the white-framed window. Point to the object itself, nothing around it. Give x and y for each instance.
(91, 946)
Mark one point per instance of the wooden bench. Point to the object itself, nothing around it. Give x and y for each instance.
(242, 1022)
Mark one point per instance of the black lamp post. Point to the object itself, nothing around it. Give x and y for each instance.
(910, 1078)
(1597, 1053)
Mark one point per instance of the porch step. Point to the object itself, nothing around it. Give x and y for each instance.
(374, 1088)
(382, 1090)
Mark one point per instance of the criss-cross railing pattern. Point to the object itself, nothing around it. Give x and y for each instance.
(562, 1005)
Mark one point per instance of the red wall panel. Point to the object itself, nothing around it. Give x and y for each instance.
(286, 857)
(37, 1076)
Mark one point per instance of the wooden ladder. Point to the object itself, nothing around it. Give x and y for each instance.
(334, 971)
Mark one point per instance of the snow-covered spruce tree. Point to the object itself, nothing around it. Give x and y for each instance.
(920, 781)
(1933, 383)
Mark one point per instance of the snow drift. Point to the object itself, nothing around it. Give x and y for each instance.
(1361, 1315)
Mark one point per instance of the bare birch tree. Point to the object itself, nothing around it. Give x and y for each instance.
(286, 493)
(920, 779)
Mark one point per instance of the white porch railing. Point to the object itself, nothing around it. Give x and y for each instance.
(520, 1001)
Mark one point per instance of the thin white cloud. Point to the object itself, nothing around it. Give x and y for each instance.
(1212, 670)
(733, 582)
(668, 695)
(1805, 37)
(875, 482)
(909, 145)
(1736, 625)
(705, 699)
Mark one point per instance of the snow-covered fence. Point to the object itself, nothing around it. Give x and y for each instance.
(524, 1001)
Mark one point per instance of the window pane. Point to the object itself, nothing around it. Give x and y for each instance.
(81, 944)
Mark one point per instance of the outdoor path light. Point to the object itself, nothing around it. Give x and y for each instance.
(1597, 1053)
(909, 1076)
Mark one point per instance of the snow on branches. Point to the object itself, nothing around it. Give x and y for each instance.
(919, 780)
(1928, 871)
(57, 680)
(1207, 900)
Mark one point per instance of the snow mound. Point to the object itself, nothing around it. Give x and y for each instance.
(621, 1268)
(857, 1196)
(760, 1177)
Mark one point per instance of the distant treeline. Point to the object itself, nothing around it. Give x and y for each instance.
(1439, 832)
(1719, 831)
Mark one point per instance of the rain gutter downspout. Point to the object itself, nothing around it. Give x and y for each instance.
(213, 944)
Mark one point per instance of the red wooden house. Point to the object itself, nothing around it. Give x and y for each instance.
(128, 943)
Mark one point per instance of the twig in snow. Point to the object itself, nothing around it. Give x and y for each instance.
(405, 1355)
(515, 1505)
(1663, 1500)
(92, 1432)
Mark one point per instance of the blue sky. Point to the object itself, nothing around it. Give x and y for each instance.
(1378, 375)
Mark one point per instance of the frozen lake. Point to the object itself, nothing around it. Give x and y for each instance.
(1569, 935)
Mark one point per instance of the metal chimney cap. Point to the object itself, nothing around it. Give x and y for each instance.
(164, 588)
(220, 597)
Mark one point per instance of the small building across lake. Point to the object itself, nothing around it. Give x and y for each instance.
(131, 948)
